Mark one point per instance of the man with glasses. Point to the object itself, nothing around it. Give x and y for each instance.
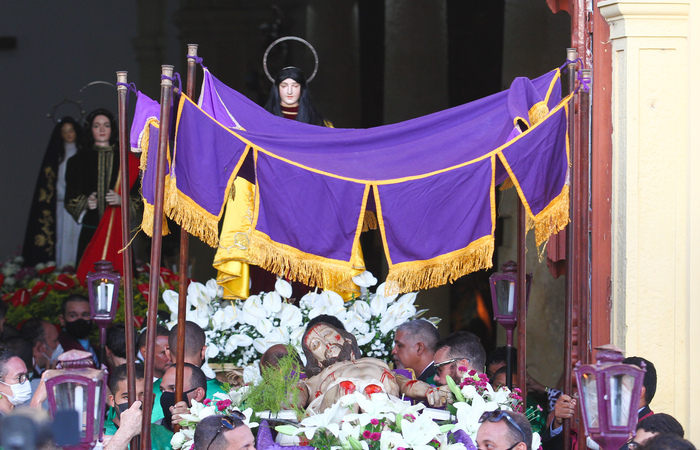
(14, 385)
(223, 433)
(504, 430)
(460, 349)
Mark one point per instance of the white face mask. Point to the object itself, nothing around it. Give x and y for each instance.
(56, 353)
(21, 392)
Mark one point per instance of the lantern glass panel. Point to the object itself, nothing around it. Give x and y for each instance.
(505, 293)
(104, 291)
(590, 394)
(620, 392)
(73, 396)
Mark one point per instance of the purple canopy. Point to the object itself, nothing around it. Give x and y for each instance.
(432, 181)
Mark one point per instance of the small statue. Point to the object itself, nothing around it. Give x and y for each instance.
(334, 369)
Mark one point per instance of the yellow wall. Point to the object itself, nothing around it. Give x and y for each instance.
(656, 199)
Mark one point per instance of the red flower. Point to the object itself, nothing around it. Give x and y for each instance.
(21, 298)
(366, 434)
(223, 404)
(206, 401)
(375, 436)
(2, 279)
(43, 288)
(47, 269)
(64, 282)
(143, 289)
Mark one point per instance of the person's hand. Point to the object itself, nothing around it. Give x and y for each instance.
(438, 396)
(40, 394)
(130, 419)
(534, 385)
(113, 198)
(178, 409)
(92, 201)
(564, 409)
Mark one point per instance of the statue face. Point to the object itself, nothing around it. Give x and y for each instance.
(324, 342)
(290, 91)
(68, 132)
(101, 130)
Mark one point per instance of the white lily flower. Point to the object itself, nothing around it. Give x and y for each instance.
(362, 309)
(212, 350)
(275, 336)
(381, 290)
(365, 279)
(214, 290)
(272, 303)
(178, 440)
(200, 316)
(225, 318)
(198, 295)
(170, 298)
(420, 433)
(378, 305)
(408, 299)
(251, 374)
(328, 420)
(252, 310)
(290, 316)
(309, 301)
(235, 341)
(365, 338)
(536, 441)
(283, 288)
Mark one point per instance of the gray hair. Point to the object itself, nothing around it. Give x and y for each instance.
(421, 330)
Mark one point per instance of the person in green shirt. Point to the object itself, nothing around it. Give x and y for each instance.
(194, 387)
(119, 402)
(161, 363)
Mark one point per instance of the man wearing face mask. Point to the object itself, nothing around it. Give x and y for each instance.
(14, 385)
(77, 325)
(193, 388)
(43, 336)
(119, 402)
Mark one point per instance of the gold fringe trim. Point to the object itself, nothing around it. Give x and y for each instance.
(552, 219)
(538, 112)
(416, 275)
(191, 218)
(296, 265)
(369, 222)
(507, 184)
(147, 221)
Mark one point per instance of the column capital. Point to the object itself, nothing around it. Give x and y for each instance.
(646, 18)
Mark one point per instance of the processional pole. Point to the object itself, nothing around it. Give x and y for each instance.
(166, 94)
(571, 232)
(522, 299)
(122, 97)
(184, 255)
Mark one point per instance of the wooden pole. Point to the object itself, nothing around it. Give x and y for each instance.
(166, 93)
(128, 279)
(522, 299)
(571, 281)
(184, 258)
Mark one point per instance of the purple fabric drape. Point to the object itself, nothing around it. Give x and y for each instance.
(432, 179)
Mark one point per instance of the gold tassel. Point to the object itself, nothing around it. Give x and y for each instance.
(193, 219)
(507, 184)
(369, 222)
(553, 218)
(416, 275)
(147, 221)
(296, 265)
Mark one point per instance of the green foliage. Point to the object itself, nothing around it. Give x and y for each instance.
(273, 392)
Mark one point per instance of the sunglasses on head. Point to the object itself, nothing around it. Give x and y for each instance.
(229, 423)
(496, 416)
(449, 361)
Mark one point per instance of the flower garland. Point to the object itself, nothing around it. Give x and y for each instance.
(239, 332)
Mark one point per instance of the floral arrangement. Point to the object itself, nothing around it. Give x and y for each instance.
(474, 396)
(219, 404)
(382, 423)
(239, 332)
(38, 291)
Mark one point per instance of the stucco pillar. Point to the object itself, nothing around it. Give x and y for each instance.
(332, 28)
(651, 246)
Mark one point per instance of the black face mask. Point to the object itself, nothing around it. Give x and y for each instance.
(167, 399)
(122, 407)
(79, 329)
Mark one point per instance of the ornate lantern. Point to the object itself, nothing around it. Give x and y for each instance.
(103, 290)
(504, 296)
(78, 386)
(609, 393)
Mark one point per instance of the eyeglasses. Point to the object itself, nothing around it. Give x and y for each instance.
(496, 416)
(229, 423)
(449, 361)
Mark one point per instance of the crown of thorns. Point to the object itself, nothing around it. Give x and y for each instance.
(290, 38)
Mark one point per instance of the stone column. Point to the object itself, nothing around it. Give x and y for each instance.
(653, 247)
(332, 28)
(415, 64)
